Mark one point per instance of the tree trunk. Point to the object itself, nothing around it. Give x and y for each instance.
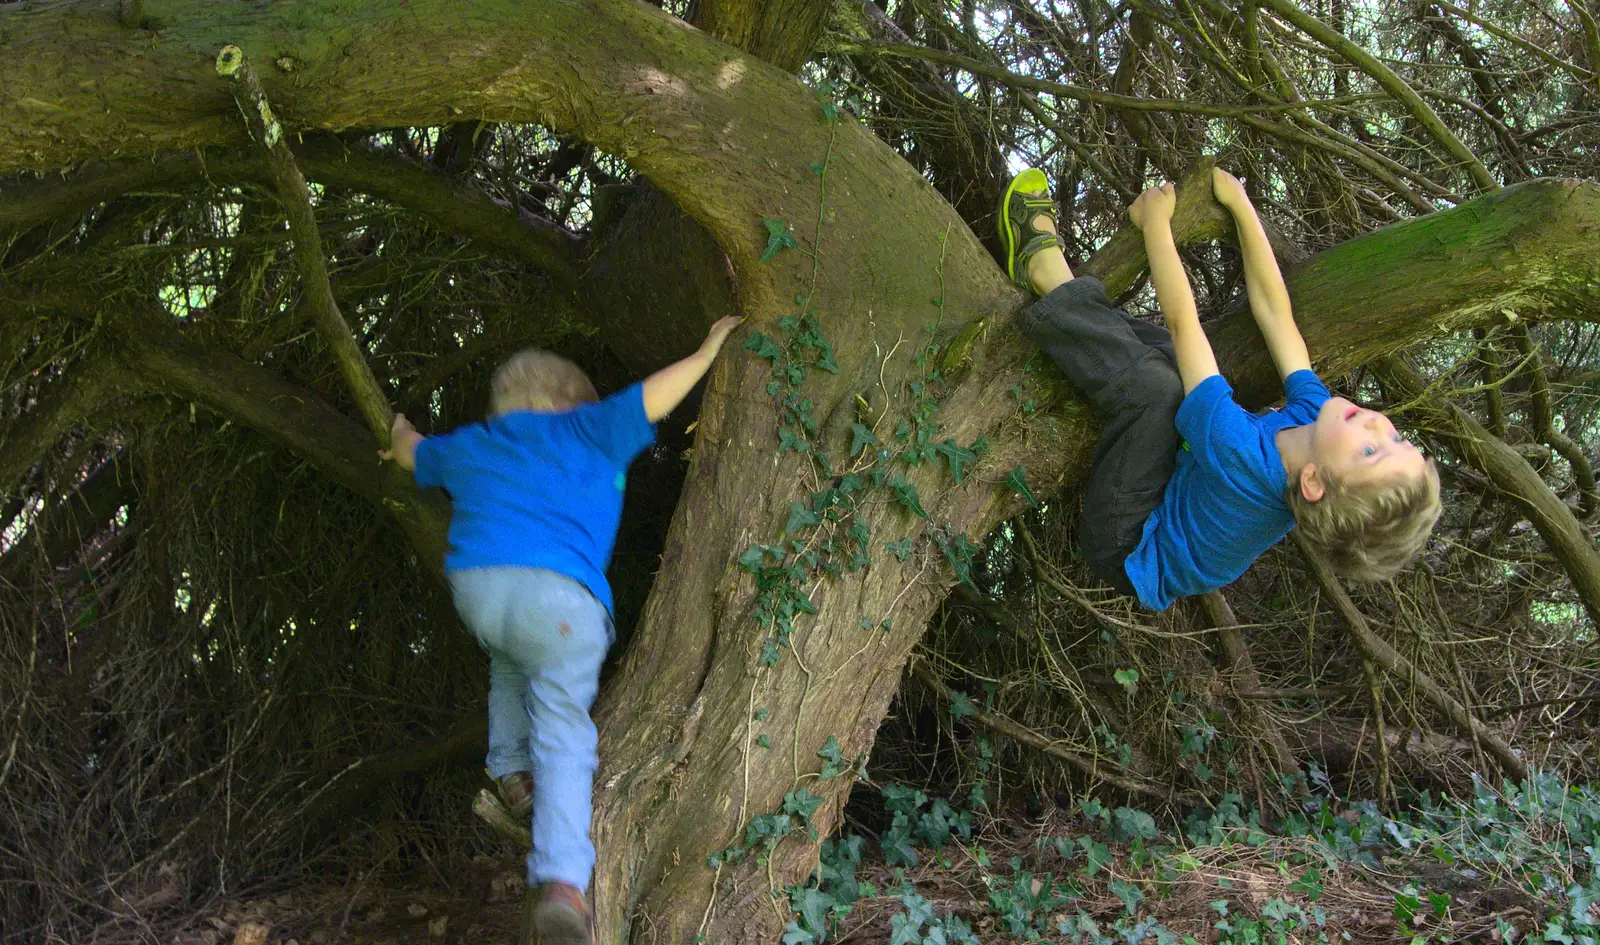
(917, 315)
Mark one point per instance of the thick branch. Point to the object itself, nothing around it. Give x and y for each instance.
(1377, 649)
(296, 199)
(1386, 77)
(338, 447)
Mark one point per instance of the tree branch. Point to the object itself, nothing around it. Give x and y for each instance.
(1511, 474)
(1379, 651)
(296, 199)
(1544, 423)
(1393, 83)
(87, 386)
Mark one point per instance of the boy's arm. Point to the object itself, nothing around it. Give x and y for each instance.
(666, 388)
(1269, 298)
(403, 440)
(1152, 213)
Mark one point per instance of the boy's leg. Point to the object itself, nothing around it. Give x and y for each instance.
(563, 634)
(508, 717)
(483, 598)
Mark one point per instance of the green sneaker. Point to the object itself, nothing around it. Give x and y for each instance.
(1027, 198)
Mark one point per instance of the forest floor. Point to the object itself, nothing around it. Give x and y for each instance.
(921, 871)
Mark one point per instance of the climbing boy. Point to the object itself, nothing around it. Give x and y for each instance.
(537, 500)
(1163, 522)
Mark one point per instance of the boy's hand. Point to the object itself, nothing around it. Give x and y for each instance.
(403, 440)
(1229, 190)
(1153, 206)
(719, 333)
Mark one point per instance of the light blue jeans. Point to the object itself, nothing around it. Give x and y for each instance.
(546, 636)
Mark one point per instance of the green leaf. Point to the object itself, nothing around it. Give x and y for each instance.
(1135, 823)
(763, 741)
(961, 705)
(1017, 479)
(906, 493)
(763, 346)
(793, 934)
(1130, 894)
(1127, 679)
(900, 549)
(1309, 885)
(799, 517)
(750, 559)
(833, 755)
(861, 437)
(801, 803)
(959, 458)
(778, 238)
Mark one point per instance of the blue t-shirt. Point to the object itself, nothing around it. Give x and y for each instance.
(539, 490)
(1224, 505)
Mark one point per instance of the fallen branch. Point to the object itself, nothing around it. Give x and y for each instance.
(1041, 743)
(1379, 651)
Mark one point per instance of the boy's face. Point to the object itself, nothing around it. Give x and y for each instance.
(1359, 447)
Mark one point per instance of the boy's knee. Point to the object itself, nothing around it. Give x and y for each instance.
(1155, 384)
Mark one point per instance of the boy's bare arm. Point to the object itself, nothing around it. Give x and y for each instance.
(666, 388)
(1269, 297)
(403, 440)
(1152, 213)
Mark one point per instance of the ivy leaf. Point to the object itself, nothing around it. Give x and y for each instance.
(1017, 479)
(1127, 679)
(833, 755)
(961, 705)
(795, 935)
(769, 653)
(763, 741)
(861, 437)
(763, 346)
(751, 558)
(813, 905)
(906, 493)
(800, 516)
(903, 931)
(959, 458)
(900, 549)
(801, 803)
(1135, 823)
(1130, 894)
(778, 238)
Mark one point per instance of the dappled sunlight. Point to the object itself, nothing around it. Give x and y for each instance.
(730, 74)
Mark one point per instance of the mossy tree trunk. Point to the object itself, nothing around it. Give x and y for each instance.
(916, 313)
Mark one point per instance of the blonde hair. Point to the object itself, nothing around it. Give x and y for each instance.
(1372, 532)
(539, 380)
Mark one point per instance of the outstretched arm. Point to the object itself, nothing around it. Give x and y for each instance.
(1269, 298)
(666, 388)
(1152, 213)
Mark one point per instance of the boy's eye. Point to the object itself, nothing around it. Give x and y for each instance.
(1399, 439)
(1368, 450)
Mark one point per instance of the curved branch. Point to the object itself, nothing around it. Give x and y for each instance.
(1386, 77)
(453, 203)
(295, 198)
(1544, 423)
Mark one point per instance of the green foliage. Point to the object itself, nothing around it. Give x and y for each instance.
(778, 238)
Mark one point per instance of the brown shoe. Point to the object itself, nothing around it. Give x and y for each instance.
(516, 792)
(561, 916)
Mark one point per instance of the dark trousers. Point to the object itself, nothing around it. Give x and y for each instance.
(1128, 369)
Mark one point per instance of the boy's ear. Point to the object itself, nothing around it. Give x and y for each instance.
(1311, 485)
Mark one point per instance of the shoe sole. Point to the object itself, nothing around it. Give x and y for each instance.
(558, 926)
(1008, 237)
